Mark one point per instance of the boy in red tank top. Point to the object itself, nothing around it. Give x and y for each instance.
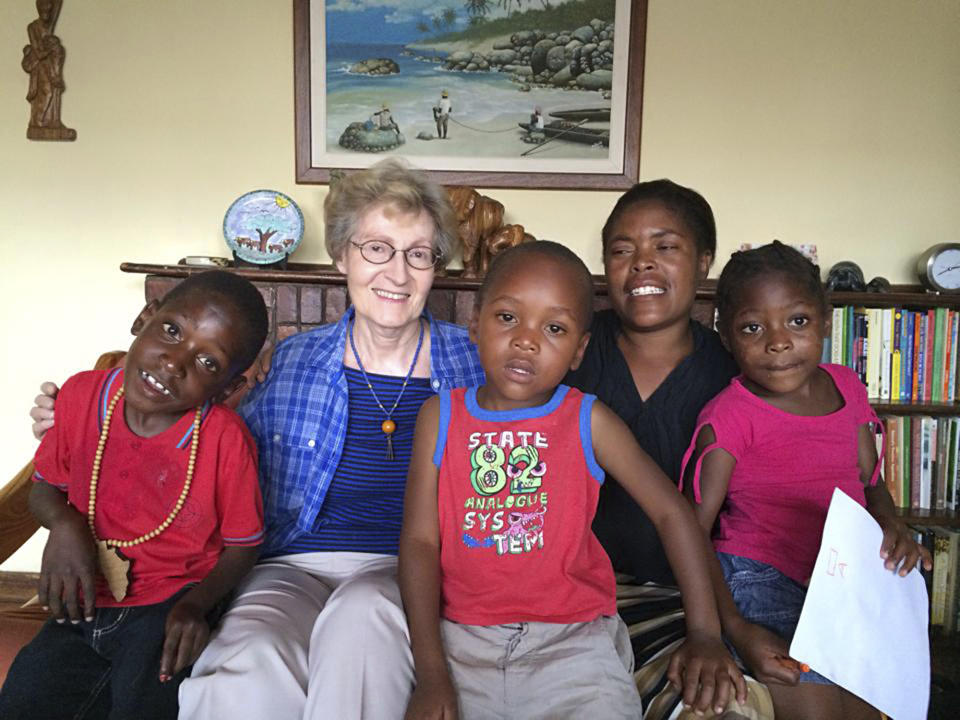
(509, 596)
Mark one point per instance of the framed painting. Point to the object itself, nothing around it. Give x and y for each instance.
(488, 93)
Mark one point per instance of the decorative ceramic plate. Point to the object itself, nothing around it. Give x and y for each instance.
(263, 226)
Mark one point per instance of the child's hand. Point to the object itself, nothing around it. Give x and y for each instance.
(433, 699)
(42, 410)
(900, 549)
(69, 561)
(765, 653)
(185, 635)
(261, 366)
(705, 674)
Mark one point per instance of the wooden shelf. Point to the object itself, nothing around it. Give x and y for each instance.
(909, 296)
(946, 518)
(896, 407)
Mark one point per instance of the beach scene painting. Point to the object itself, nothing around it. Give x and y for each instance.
(542, 89)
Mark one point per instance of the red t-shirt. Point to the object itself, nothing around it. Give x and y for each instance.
(141, 479)
(517, 495)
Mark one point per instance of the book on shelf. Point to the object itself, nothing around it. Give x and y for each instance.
(943, 590)
(901, 354)
(921, 461)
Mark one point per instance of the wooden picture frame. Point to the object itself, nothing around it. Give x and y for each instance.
(618, 170)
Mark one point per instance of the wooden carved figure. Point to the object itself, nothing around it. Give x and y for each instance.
(43, 59)
(464, 200)
(481, 230)
(506, 237)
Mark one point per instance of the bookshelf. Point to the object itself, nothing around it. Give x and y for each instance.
(904, 344)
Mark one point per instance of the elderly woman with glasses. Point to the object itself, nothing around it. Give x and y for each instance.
(318, 630)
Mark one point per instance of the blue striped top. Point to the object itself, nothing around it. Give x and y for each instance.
(363, 508)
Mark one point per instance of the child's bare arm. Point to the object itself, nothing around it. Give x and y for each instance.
(764, 652)
(898, 548)
(69, 557)
(702, 667)
(715, 472)
(419, 572)
(186, 631)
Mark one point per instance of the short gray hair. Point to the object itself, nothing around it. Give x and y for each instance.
(389, 182)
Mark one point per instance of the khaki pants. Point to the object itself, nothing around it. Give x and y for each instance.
(543, 671)
(313, 635)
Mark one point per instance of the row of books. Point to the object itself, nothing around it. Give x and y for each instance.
(943, 583)
(901, 355)
(921, 461)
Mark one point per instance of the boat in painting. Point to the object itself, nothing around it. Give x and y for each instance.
(574, 132)
(588, 114)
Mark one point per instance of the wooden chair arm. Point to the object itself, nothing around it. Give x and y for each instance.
(17, 523)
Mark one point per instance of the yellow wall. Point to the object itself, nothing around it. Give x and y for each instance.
(816, 121)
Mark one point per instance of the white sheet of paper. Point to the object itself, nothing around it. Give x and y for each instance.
(863, 626)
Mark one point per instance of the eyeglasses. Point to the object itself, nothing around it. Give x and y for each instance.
(379, 252)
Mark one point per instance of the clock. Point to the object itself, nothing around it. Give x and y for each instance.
(939, 268)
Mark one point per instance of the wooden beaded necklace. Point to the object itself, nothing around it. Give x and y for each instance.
(114, 566)
(388, 426)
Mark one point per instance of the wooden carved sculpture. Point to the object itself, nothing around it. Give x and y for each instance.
(43, 59)
(482, 232)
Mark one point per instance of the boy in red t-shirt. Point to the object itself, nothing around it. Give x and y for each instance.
(147, 482)
(509, 596)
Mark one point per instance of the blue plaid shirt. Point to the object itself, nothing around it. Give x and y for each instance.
(298, 417)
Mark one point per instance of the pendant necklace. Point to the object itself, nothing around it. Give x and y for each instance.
(114, 566)
(388, 426)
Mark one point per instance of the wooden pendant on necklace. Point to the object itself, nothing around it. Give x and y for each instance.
(115, 569)
(388, 426)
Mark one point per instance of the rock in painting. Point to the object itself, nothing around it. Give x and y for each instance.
(375, 66)
(358, 137)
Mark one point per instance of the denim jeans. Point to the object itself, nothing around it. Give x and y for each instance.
(107, 668)
(766, 597)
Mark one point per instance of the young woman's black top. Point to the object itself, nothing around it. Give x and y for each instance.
(663, 426)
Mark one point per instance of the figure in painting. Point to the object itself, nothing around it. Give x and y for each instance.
(441, 114)
(536, 119)
(43, 59)
(383, 120)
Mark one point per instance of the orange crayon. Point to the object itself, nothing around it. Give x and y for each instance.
(792, 664)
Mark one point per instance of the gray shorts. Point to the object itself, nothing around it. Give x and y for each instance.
(543, 670)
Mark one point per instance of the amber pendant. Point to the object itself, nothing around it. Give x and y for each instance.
(388, 426)
(115, 569)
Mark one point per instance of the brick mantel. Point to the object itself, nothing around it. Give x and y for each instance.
(306, 295)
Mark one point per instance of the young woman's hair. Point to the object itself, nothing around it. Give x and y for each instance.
(689, 205)
(528, 252)
(241, 297)
(390, 182)
(773, 259)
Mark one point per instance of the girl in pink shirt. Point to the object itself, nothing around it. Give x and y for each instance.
(769, 450)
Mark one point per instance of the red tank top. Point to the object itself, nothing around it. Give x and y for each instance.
(517, 495)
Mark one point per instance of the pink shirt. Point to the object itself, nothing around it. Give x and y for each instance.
(786, 469)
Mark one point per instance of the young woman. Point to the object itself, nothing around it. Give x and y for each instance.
(656, 367)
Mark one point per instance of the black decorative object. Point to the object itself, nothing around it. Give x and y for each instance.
(846, 276)
(878, 285)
